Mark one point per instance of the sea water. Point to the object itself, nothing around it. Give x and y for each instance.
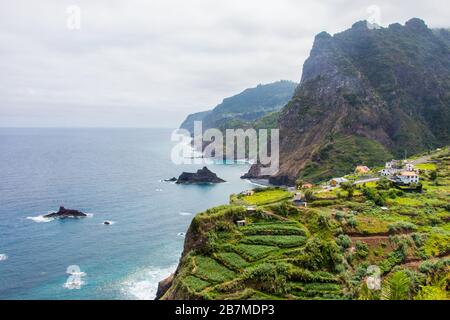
(113, 175)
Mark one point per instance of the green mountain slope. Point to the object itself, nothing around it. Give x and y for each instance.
(241, 110)
(389, 86)
(324, 250)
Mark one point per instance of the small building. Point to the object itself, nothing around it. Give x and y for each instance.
(241, 223)
(362, 169)
(409, 167)
(250, 209)
(248, 193)
(393, 164)
(408, 177)
(307, 186)
(299, 199)
(335, 182)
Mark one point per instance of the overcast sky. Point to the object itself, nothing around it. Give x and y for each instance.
(149, 63)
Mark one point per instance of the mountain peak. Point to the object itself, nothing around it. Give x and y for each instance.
(416, 24)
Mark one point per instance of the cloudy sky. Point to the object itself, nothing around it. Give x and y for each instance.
(139, 63)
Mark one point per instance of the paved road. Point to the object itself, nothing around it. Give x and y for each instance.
(366, 180)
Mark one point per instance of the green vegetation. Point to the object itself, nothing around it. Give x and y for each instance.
(323, 251)
(267, 196)
(341, 155)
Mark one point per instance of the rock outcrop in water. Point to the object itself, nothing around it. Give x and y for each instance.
(66, 213)
(202, 176)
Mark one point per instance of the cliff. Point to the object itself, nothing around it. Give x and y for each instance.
(365, 96)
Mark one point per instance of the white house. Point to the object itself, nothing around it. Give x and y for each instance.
(408, 177)
(409, 167)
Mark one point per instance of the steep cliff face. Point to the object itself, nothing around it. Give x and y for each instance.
(366, 95)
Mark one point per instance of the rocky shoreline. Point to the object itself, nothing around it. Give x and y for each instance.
(202, 176)
(66, 213)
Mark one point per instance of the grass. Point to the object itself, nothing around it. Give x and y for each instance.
(426, 166)
(254, 252)
(437, 243)
(266, 197)
(195, 283)
(406, 201)
(279, 241)
(232, 260)
(275, 229)
(209, 269)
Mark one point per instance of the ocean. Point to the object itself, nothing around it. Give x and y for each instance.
(114, 175)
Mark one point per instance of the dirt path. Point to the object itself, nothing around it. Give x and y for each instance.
(276, 216)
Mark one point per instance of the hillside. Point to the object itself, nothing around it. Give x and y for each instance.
(241, 110)
(366, 95)
(324, 250)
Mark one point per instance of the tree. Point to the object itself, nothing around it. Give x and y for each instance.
(349, 187)
(309, 195)
(299, 184)
(433, 176)
(396, 287)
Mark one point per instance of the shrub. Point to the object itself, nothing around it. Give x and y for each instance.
(401, 227)
(362, 250)
(351, 221)
(344, 241)
(269, 277)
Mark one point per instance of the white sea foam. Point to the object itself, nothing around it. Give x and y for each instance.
(158, 190)
(185, 214)
(256, 184)
(110, 222)
(74, 283)
(143, 284)
(3, 256)
(40, 219)
(181, 234)
(75, 279)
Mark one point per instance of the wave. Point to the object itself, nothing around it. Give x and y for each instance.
(143, 284)
(158, 190)
(185, 214)
(3, 256)
(40, 218)
(256, 184)
(75, 283)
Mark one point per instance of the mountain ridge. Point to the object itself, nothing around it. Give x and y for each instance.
(389, 87)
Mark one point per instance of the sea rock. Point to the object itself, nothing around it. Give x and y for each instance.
(255, 172)
(202, 176)
(171, 179)
(163, 286)
(66, 213)
(106, 222)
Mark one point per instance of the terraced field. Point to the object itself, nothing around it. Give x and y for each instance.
(323, 251)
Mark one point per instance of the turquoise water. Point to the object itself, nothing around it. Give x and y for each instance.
(113, 174)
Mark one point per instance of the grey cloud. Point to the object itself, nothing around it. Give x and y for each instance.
(149, 63)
